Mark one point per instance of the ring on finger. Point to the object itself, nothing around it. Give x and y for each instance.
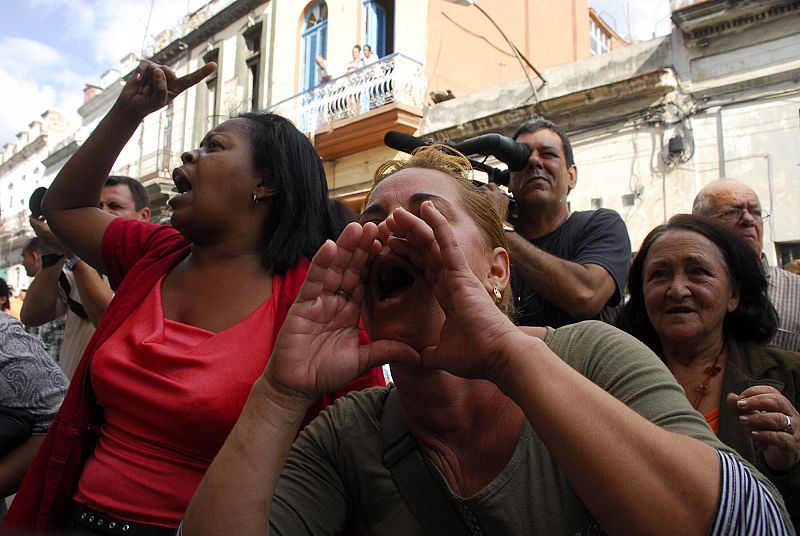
(343, 294)
(789, 424)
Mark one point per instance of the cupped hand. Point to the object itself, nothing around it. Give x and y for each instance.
(153, 86)
(317, 349)
(773, 423)
(476, 335)
(43, 232)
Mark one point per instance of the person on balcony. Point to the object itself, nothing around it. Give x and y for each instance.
(358, 61)
(327, 70)
(369, 57)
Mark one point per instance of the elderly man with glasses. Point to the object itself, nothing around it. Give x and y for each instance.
(737, 206)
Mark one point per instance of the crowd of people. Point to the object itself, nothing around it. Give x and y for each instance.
(203, 400)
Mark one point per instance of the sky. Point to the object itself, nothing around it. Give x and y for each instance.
(52, 48)
(639, 19)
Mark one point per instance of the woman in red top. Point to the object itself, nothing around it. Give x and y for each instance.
(193, 321)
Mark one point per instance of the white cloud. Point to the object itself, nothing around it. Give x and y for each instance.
(24, 96)
(26, 56)
(23, 100)
(35, 76)
(112, 29)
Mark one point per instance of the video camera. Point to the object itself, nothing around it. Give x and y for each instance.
(511, 152)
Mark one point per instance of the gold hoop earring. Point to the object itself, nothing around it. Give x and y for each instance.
(254, 199)
(498, 297)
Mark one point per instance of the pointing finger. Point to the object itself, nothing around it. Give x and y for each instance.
(193, 78)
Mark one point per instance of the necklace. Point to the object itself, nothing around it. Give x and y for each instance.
(702, 389)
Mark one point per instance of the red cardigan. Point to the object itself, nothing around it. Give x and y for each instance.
(44, 498)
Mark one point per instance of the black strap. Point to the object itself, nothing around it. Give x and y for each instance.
(416, 484)
(74, 306)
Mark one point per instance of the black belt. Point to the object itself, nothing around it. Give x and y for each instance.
(102, 523)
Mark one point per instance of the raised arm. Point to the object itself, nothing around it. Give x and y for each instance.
(317, 351)
(43, 302)
(94, 291)
(612, 456)
(71, 201)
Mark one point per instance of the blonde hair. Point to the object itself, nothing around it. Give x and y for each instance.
(455, 165)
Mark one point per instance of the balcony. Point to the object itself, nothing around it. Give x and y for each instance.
(351, 113)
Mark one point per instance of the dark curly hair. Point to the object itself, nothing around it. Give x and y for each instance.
(755, 319)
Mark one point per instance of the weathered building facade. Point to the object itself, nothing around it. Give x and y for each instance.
(22, 171)
(653, 123)
(266, 49)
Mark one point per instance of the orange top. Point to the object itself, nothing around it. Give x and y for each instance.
(712, 418)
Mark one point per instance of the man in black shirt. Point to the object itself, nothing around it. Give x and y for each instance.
(566, 266)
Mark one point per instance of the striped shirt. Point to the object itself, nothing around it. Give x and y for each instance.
(784, 293)
(746, 506)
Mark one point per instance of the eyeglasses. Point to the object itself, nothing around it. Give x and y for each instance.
(735, 214)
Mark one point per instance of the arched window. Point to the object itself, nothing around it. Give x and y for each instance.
(315, 42)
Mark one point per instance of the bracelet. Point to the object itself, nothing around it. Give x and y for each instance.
(71, 262)
(507, 227)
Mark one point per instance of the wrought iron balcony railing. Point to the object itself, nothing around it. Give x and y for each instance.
(395, 78)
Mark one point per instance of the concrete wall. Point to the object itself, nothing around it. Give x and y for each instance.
(620, 161)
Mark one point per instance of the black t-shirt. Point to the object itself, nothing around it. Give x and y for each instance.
(590, 237)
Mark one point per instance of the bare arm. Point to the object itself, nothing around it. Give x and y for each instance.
(582, 290)
(679, 474)
(71, 201)
(251, 459)
(70, 204)
(14, 465)
(94, 291)
(235, 495)
(43, 302)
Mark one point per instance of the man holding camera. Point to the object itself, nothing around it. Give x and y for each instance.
(67, 285)
(566, 266)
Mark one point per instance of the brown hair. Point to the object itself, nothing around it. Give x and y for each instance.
(753, 320)
(455, 165)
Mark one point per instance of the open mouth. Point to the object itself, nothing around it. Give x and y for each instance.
(182, 184)
(392, 280)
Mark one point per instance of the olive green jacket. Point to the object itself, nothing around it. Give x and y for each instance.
(752, 364)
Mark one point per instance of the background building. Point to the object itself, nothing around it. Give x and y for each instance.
(22, 171)
(652, 122)
(429, 50)
(656, 121)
